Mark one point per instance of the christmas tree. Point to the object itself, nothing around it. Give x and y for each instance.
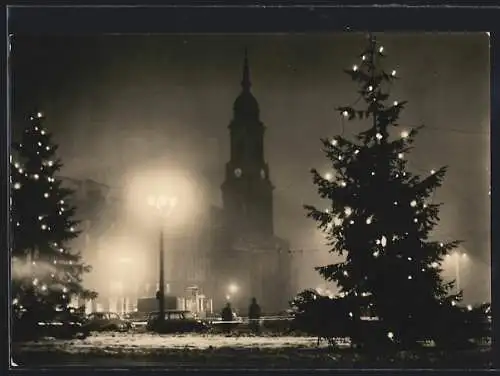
(381, 216)
(46, 274)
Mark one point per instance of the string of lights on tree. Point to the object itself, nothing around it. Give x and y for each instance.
(42, 221)
(379, 213)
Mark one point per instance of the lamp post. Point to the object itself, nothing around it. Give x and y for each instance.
(232, 289)
(458, 256)
(164, 207)
(124, 262)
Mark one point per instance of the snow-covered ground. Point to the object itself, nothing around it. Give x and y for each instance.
(142, 342)
(220, 351)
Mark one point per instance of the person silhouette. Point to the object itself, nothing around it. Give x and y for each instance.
(254, 312)
(227, 317)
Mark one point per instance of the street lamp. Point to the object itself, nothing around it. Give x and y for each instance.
(458, 257)
(233, 288)
(125, 263)
(164, 206)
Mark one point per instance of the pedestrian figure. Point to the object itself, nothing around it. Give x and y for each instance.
(254, 316)
(227, 316)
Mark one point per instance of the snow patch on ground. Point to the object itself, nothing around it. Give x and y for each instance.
(148, 341)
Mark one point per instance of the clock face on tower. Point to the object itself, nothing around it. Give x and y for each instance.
(238, 172)
(262, 174)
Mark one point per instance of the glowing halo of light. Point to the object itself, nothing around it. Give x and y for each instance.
(177, 195)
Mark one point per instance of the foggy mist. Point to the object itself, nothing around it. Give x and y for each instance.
(121, 106)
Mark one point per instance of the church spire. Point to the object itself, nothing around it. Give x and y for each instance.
(245, 82)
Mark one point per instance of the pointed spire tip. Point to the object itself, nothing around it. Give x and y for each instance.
(245, 82)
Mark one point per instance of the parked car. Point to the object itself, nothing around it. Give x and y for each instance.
(175, 321)
(64, 325)
(104, 321)
(137, 320)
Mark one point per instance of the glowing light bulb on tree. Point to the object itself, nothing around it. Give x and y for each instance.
(345, 113)
(17, 185)
(401, 156)
(363, 57)
(343, 184)
(395, 103)
(393, 73)
(381, 49)
(39, 143)
(46, 195)
(42, 132)
(36, 176)
(379, 136)
(410, 277)
(348, 211)
(39, 115)
(328, 176)
(415, 220)
(405, 134)
(370, 88)
(383, 241)
(354, 68)
(433, 172)
(356, 151)
(413, 203)
(368, 220)
(50, 163)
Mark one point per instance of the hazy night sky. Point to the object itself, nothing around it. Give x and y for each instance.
(118, 102)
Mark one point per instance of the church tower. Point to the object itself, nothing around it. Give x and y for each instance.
(247, 192)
